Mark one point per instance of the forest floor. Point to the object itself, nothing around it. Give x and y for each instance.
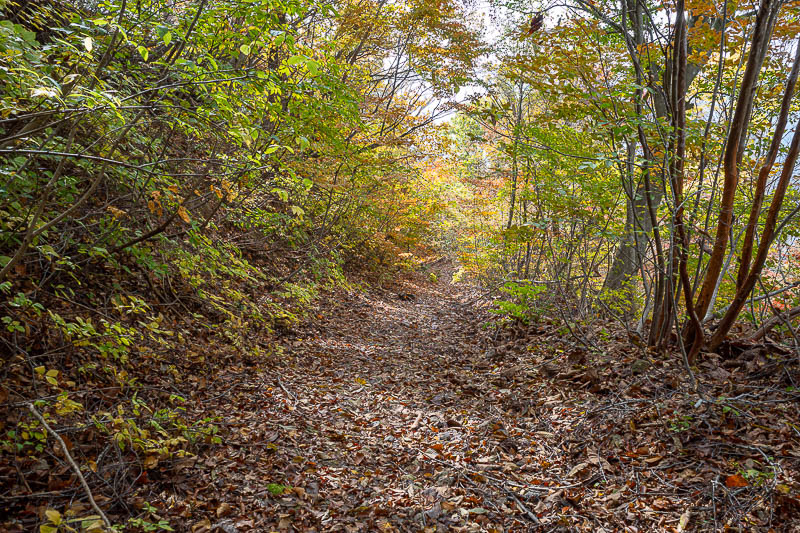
(397, 409)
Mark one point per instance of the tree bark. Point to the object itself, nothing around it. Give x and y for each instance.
(765, 20)
(767, 236)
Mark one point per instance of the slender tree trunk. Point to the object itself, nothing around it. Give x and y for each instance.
(765, 20)
(766, 168)
(680, 242)
(767, 236)
(632, 250)
(514, 157)
(641, 230)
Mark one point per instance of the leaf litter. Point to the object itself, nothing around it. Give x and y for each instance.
(390, 413)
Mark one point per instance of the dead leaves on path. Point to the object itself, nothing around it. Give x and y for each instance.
(387, 415)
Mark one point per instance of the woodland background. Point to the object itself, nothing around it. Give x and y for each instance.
(183, 182)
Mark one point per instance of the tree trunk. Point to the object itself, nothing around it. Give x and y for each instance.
(765, 21)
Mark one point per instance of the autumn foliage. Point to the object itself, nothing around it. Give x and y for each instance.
(187, 190)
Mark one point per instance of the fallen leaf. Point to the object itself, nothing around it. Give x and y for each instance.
(735, 481)
(224, 509)
(184, 214)
(577, 469)
(684, 520)
(202, 525)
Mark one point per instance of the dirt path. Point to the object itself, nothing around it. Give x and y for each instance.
(385, 413)
(377, 417)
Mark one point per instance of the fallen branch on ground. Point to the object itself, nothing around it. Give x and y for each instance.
(72, 463)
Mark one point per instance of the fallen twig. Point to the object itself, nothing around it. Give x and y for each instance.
(287, 391)
(521, 506)
(72, 463)
(416, 423)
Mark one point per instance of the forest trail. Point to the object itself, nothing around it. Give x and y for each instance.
(395, 409)
(383, 414)
(180, 181)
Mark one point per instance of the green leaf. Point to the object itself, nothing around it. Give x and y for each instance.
(295, 60)
(167, 38)
(276, 489)
(143, 52)
(245, 49)
(303, 142)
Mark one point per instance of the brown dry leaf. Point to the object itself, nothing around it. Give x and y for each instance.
(661, 504)
(151, 461)
(596, 459)
(224, 509)
(339, 446)
(201, 526)
(735, 481)
(578, 469)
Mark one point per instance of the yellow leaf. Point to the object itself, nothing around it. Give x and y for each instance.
(115, 212)
(183, 214)
(684, 521)
(39, 370)
(52, 373)
(53, 515)
(94, 526)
